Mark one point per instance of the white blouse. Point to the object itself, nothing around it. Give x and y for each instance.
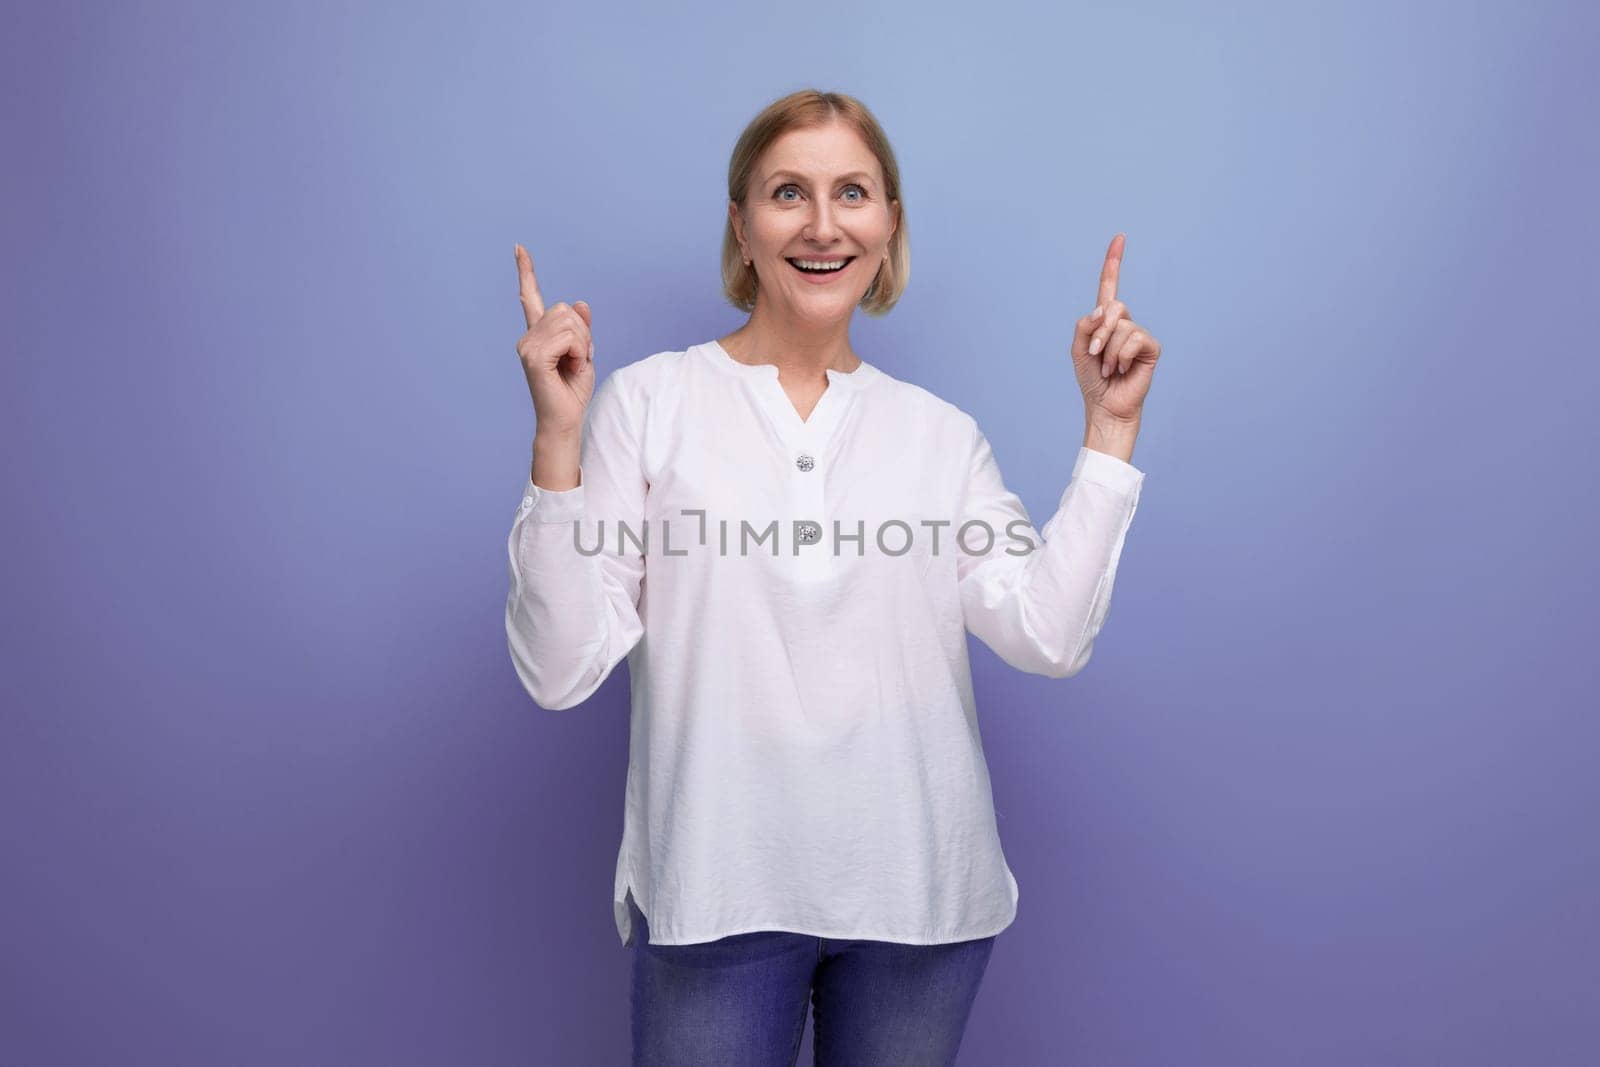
(793, 601)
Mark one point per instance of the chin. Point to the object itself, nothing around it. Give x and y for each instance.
(826, 310)
(828, 299)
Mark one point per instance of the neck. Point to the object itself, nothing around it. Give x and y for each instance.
(799, 349)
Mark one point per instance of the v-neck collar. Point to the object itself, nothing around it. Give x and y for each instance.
(720, 356)
(763, 379)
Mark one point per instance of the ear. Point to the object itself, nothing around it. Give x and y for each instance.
(737, 221)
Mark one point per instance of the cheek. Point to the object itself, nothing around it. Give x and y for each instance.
(767, 227)
(877, 229)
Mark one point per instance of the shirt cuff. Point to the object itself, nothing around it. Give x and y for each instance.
(552, 505)
(1107, 470)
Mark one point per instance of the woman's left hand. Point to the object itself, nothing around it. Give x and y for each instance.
(1114, 357)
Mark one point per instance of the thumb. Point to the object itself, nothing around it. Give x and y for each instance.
(582, 308)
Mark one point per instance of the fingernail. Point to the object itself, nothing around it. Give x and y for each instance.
(1098, 311)
(1105, 370)
(1094, 347)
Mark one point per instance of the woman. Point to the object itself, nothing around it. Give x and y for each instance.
(808, 809)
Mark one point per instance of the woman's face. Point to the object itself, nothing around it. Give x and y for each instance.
(815, 195)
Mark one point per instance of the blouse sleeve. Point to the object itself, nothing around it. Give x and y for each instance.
(571, 616)
(1041, 610)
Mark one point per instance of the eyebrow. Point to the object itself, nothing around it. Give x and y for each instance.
(775, 175)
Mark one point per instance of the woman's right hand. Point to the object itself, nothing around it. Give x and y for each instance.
(557, 356)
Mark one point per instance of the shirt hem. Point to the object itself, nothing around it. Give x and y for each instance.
(829, 933)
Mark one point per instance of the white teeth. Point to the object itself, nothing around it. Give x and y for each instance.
(820, 265)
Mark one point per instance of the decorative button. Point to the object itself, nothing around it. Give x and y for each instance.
(809, 533)
(805, 463)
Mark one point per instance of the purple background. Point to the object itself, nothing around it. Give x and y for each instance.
(269, 789)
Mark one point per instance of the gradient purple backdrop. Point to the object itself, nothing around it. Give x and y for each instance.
(270, 792)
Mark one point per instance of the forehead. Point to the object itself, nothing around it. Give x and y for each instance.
(820, 151)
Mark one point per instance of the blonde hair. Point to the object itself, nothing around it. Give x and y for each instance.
(806, 109)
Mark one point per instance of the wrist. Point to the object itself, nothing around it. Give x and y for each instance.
(555, 461)
(1113, 436)
(558, 440)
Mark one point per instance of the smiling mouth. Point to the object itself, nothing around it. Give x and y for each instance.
(835, 269)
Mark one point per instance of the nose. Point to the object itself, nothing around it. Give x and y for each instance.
(821, 227)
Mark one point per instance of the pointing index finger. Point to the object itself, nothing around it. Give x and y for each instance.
(532, 302)
(1112, 268)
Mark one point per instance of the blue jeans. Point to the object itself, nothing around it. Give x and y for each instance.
(742, 999)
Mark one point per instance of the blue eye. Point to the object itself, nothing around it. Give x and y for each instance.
(778, 193)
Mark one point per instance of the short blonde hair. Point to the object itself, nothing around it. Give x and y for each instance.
(803, 110)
